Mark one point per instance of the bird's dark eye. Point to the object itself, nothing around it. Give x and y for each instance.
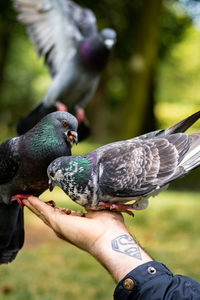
(64, 123)
(52, 174)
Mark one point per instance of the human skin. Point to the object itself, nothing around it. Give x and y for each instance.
(101, 233)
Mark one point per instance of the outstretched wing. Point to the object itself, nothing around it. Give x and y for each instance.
(55, 27)
(135, 168)
(9, 163)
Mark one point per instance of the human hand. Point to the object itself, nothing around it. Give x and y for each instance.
(93, 233)
(83, 232)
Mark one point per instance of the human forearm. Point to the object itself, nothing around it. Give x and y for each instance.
(119, 252)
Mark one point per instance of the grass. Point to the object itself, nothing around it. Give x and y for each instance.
(48, 268)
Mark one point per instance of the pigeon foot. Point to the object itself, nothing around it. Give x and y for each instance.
(61, 107)
(80, 114)
(118, 207)
(19, 198)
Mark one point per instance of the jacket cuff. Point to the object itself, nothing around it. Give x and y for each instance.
(133, 283)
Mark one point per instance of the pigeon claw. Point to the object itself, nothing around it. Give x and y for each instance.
(117, 207)
(19, 198)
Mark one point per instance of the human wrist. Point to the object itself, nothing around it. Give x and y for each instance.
(119, 253)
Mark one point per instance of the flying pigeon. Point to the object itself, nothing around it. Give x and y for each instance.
(23, 164)
(134, 169)
(75, 52)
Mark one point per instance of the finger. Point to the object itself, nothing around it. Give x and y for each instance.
(37, 205)
(39, 208)
(54, 218)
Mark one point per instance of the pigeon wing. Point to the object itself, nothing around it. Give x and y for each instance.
(136, 168)
(9, 162)
(55, 27)
(84, 18)
(11, 231)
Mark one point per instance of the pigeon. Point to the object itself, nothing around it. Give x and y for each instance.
(134, 169)
(23, 164)
(75, 52)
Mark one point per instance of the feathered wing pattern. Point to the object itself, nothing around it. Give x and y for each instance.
(9, 164)
(55, 27)
(11, 231)
(141, 166)
(192, 159)
(11, 214)
(45, 23)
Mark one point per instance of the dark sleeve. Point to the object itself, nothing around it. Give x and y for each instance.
(153, 281)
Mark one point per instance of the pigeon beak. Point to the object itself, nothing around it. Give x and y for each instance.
(51, 185)
(72, 136)
(109, 43)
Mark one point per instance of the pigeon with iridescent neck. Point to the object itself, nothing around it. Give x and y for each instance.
(134, 169)
(23, 164)
(75, 52)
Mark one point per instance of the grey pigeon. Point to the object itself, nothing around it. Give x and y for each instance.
(75, 52)
(23, 164)
(134, 169)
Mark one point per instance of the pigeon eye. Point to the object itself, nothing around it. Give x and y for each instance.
(52, 174)
(64, 123)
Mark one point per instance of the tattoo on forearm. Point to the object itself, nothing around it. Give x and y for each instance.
(125, 244)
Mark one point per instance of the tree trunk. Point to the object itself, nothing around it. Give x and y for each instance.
(5, 37)
(145, 37)
(97, 112)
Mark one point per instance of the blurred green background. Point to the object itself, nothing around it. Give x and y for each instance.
(152, 81)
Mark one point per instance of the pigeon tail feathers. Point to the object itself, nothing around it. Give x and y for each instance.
(7, 256)
(183, 125)
(192, 159)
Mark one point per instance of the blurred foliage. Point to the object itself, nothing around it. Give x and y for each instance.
(182, 65)
(25, 79)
